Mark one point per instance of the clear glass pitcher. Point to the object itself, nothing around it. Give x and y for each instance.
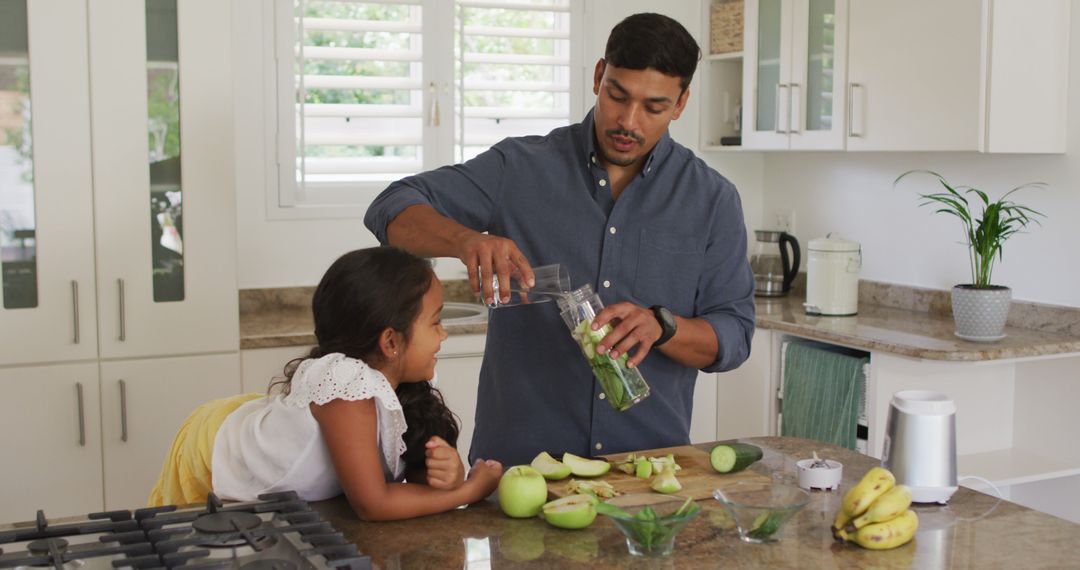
(774, 269)
(623, 387)
(549, 282)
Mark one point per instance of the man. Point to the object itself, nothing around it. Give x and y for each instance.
(657, 233)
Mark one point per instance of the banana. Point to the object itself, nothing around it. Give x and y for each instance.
(839, 532)
(841, 520)
(874, 484)
(889, 534)
(889, 506)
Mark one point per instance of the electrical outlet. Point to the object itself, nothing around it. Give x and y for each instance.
(784, 220)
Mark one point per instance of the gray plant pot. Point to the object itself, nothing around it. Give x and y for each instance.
(980, 314)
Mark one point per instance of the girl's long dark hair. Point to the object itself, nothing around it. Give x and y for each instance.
(362, 294)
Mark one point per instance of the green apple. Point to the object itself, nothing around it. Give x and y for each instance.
(571, 512)
(666, 482)
(585, 467)
(549, 467)
(522, 491)
(643, 468)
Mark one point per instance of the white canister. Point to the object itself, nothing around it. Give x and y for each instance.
(832, 276)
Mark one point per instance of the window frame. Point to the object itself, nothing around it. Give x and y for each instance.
(350, 199)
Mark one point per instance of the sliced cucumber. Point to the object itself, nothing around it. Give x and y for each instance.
(733, 457)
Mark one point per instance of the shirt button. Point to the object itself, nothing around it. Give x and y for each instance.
(607, 283)
(603, 182)
(612, 230)
(593, 159)
(603, 396)
(599, 445)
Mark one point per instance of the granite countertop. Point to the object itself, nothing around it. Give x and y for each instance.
(908, 333)
(974, 531)
(272, 318)
(897, 319)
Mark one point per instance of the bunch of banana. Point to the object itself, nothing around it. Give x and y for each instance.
(875, 514)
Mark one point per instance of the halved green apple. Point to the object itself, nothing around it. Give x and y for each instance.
(571, 512)
(585, 467)
(552, 469)
(665, 481)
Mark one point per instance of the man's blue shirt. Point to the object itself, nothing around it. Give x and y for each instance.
(675, 237)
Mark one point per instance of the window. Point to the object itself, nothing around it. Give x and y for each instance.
(370, 92)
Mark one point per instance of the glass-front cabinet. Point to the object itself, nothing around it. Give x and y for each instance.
(794, 74)
(117, 200)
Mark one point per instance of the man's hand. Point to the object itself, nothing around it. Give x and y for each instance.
(631, 326)
(486, 255)
(443, 464)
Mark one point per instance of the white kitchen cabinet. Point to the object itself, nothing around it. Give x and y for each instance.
(51, 422)
(133, 323)
(260, 366)
(913, 75)
(703, 420)
(794, 74)
(90, 65)
(143, 404)
(458, 371)
(986, 75)
(745, 397)
(52, 318)
(96, 94)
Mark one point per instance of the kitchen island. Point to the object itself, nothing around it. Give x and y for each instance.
(975, 530)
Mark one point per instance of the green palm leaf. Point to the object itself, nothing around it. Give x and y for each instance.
(995, 223)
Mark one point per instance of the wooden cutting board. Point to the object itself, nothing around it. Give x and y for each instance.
(697, 476)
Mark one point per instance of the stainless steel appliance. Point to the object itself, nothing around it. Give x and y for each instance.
(279, 531)
(774, 269)
(920, 444)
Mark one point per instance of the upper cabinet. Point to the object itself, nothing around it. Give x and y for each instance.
(917, 75)
(117, 206)
(985, 75)
(794, 74)
(913, 75)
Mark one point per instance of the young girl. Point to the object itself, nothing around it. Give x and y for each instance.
(358, 414)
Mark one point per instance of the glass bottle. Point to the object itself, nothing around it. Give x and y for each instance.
(623, 387)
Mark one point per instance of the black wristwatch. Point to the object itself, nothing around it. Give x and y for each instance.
(667, 323)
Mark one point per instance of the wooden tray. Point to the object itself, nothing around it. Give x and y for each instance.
(697, 476)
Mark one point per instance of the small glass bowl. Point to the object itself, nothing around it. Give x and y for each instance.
(761, 509)
(655, 537)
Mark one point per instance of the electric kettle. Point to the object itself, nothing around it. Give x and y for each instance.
(920, 444)
(773, 268)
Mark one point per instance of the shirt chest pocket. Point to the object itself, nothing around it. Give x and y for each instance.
(669, 267)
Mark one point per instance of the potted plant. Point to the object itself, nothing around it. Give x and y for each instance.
(980, 308)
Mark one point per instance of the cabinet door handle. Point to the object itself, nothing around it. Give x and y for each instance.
(778, 108)
(794, 119)
(75, 308)
(851, 110)
(82, 416)
(123, 325)
(123, 411)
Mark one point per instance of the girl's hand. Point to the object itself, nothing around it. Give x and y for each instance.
(443, 465)
(484, 476)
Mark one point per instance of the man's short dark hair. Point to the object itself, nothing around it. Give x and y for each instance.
(653, 41)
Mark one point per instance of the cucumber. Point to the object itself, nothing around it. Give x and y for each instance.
(732, 457)
(766, 524)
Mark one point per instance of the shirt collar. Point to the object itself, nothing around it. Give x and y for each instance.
(659, 152)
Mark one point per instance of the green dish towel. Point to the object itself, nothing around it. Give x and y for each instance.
(822, 390)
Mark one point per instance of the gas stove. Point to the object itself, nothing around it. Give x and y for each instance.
(277, 532)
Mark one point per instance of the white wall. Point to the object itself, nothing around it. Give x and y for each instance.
(852, 193)
(284, 253)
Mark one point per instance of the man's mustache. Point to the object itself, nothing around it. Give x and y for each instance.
(625, 133)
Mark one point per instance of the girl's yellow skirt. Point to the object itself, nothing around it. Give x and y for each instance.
(186, 477)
